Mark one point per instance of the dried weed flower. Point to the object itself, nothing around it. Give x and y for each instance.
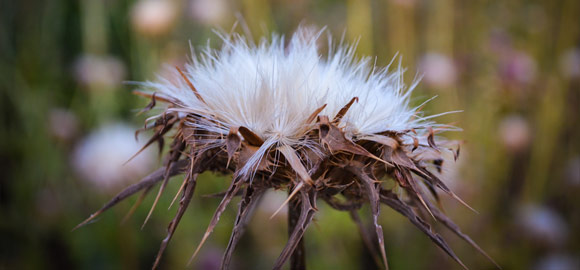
(278, 115)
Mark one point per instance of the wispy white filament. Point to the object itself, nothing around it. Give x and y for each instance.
(273, 87)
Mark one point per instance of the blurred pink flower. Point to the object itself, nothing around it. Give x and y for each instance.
(499, 42)
(100, 158)
(99, 72)
(570, 63)
(518, 67)
(438, 70)
(210, 259)
(514, 133)
(63, 124)
(153, 17)
(209, 12)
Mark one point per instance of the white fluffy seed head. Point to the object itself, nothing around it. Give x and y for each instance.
(273, 87)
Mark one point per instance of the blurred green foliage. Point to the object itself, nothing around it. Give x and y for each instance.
(513, 67)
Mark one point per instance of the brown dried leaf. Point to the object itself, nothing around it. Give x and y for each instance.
(190, 85)
(160, 145)
(393, 201)
(372, 188)
(455, 229)
(183, 183)
(308, 201)
(334, 139)
(315, 114)
(456, 153)
(177, 147)
(166, 125)
(366, 237)
(344, 110)
(298, 257)
(246, 153)
(438, 164)
(382, 139)
(251, 199)
(432, 190)
(414, 189)
(154, 96)
(250, 137)
(431, 139)
(183, 204)
(333, 184)
(294, 161)
(401, 178)
(221, 194)
(233, 142)
(230, 193)
(342, 206)
(146, 182)
(427, 175)
(400, 158)
(149, 106)
(136, 205)
(295, 191)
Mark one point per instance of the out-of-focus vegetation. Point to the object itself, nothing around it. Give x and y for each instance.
(67, 118)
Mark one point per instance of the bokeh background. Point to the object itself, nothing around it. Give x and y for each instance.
(68, 116)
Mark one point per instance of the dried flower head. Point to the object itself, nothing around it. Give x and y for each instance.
(278, 115)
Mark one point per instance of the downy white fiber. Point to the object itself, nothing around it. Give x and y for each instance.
(273, 87)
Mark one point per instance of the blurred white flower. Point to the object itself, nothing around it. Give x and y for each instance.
(573, 172)
(558, 262)
(100, 157)
(99, 72)
(514, 133)
(438, 70)
(570, 63)
(209, 12)
(542, 225)
(271, 202)
(63, 124)
(153, 17)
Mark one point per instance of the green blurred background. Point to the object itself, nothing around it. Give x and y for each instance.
(68, 116)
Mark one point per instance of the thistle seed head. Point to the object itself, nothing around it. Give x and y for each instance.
(278, 115)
